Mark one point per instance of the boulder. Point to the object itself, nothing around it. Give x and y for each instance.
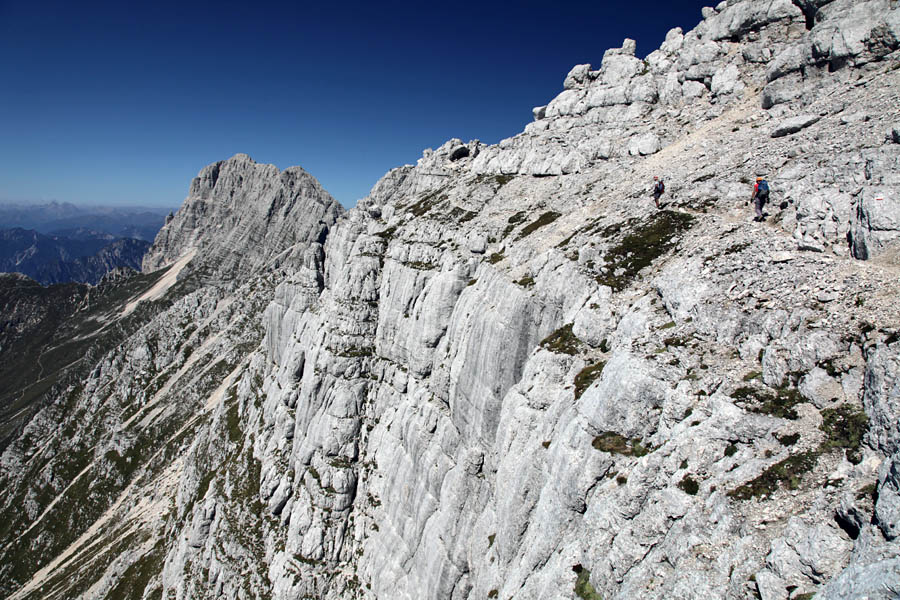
(794, 124)
(577, 76)
(643, 145)
(875, 224)
(887, 509)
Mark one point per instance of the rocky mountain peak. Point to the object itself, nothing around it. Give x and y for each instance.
(239, 215)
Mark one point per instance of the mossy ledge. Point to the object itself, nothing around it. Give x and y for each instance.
(562, 341)
(614, 443)
(643, 245)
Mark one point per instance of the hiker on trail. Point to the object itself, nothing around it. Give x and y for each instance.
(760, 197)
(658, 189)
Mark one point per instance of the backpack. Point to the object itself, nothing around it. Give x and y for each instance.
(763, 187)
(660, 187)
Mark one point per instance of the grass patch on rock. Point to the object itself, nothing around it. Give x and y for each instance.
(779, 404)
(583, 587)
(614, 443)
(689, 486)
(788, 472)
(845, 427)
(427, 202)
(643, 245)
(525, 282)
(461, 215)
(562, 341)
(587, 376)
(544, 219)
(514, 221)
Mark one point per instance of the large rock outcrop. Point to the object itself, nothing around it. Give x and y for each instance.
(241, 215)
(506, 373)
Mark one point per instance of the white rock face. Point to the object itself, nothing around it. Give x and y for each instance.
(247, 212)
(507, 373)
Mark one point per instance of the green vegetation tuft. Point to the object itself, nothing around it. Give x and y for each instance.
(233, 420)
(134, 581)
(689, 486)
(587, 376)
(427, 202)
(513, 222)
(614, 443)
(788, 472)
(639, 248)
(789, 439)
(525, 282)
(355, 352)
(461, 215)
(544, 219)
(420, 265)
(562, 341)
(583, 587)
(780, 404)
(496, 257)
(676, 341)
(868, 492)
(845, 427)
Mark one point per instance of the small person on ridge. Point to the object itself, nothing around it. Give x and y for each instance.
(760, 197)
(658, 189)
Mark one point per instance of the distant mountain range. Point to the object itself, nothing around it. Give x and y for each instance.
(61, 242)
(85, 257)
(57, 218)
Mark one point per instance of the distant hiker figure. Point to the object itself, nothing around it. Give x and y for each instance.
(658, 189)
(760, 197)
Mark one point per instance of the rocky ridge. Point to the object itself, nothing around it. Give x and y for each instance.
(507, 374)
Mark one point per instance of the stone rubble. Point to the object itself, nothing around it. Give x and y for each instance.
(506, 374)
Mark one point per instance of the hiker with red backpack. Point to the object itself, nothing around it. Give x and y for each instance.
(760, 197)
(658, 189)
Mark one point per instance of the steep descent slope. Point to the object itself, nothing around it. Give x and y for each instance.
(87, 477)
(507, 375)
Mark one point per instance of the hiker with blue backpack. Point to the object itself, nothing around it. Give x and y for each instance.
(760, 197)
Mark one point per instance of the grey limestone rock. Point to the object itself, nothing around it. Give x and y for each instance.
(882, 388)
(876, 223)
(875, 582)
(241, 214)
(794, 124)
(887, 509)
(506, 372)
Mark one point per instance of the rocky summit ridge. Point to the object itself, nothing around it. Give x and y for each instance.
(505, 373)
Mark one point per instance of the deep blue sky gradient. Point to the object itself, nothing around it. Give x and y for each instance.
(122, 103)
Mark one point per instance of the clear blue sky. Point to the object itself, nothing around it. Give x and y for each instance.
(124, 102)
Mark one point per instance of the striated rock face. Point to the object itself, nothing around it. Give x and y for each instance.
(506, 373)
(242, 215)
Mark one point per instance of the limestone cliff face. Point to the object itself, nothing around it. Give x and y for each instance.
(507, 374)
(242, 214)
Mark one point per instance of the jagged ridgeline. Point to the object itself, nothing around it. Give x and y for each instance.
(506, 373)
